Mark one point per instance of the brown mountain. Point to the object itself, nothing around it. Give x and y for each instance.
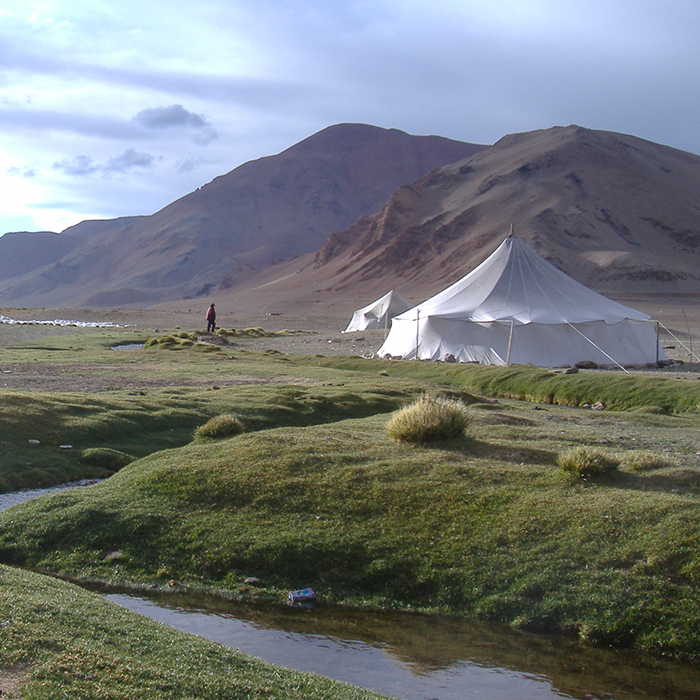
(273, 208)
(615, 212)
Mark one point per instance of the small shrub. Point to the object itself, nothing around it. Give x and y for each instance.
(429, 419)
(183, 334)
(220, 426)
(643, 461)
(585, 462)
(106, 458)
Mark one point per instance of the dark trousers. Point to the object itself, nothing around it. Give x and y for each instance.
(211, 325)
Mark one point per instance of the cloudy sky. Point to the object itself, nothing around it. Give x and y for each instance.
(118, 107)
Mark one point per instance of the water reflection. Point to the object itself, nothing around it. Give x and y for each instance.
(12, 498)
(420, 657)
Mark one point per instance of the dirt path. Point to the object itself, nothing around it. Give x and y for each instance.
(10, 680)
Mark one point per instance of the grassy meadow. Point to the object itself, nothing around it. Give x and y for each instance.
(315, 492)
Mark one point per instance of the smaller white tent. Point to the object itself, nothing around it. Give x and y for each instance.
(516, 308)
(379, 313)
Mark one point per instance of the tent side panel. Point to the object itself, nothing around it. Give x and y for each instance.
(542, 345)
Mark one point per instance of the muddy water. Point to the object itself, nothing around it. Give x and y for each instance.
(423, 658)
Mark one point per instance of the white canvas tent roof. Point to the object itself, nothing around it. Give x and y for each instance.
(379, 313)
(516, 308)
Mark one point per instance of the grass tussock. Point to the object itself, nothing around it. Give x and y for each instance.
(429, 420)
(643, 461)
(585, 462)
(221, 426)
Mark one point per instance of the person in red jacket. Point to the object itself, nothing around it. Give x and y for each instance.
(211, 319)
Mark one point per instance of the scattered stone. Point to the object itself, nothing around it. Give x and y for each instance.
(598, 406)
(449, 358)
(252, 581)
(65, 447)
(586, 364)
(172, 583)
(586, 405)
(571, 370)
(603, 441)
(34, 442)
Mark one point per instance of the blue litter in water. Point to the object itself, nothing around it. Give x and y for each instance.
(303, 595)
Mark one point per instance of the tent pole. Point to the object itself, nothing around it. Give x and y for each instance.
(657, 342)
(510, 339)
(417, 327)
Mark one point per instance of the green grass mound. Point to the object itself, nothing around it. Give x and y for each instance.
(106, 458)
(64, 642)
(180, 341)
(585, 462)
(429, 420)
(658, 394)
(489, 528)
(221, 426)
(140, 423)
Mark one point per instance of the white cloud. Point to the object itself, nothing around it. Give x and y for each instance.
(83, 165)
(183, 94)
(174, 117)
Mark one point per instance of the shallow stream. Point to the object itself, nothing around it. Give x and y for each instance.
(414, 657)
(419, 657)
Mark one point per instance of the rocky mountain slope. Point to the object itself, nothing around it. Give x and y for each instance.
(617, 213)
(273, 208)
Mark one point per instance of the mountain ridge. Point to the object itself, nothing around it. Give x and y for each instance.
(613, 211)
(274, 207)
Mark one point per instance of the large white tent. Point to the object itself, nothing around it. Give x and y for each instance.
(379, 313)
(516, 308)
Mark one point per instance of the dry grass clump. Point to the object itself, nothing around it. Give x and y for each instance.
(586, 462)
(643, 461)
(428, 420)
(220, 426)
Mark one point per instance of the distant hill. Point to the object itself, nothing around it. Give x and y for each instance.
(355, 210)
(269, 209)
(617, 213)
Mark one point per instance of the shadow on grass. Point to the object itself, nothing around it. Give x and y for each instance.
(680, 481)
(485, 450)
